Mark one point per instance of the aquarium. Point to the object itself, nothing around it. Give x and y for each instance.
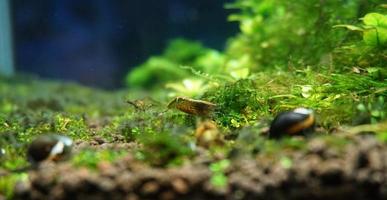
(194, 99)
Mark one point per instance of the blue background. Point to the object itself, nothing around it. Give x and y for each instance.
(96, 42)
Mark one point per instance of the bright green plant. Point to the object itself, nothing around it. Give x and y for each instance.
(183, 51)
(91, 158)
(282, 33)
(374, 29)
(7, 183)
(219, 178)
(169, 67)
(188, 88)
(154, 73)
(382, 137)
(236, 102)
(163, 149)
(373, 111)
(375, 32)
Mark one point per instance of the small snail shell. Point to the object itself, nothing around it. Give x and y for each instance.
(49, 147)
(300, 121)
(207, 134)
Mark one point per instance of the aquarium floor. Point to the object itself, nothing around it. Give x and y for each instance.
(359, 171)
(330, 164)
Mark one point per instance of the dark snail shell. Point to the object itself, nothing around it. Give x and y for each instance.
(300, 121)
(49, 147)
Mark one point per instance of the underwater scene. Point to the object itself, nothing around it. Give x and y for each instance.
(193, 99)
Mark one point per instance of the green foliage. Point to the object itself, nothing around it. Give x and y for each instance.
(382, 137)
(371, 111)
(279, 33)
(8, 183)
(333, 96)
(375, 33)
(368, 55)
(236, 102)
(25, 124)
(250, 141)
(13, 159)
(287, 143)
(184, 52)
(91, 158)
(188, 88)
(365, 85)
(286, 162)
(218, 178)
(163, 149)
(168, 67)
(374, 29)
(155, 72)
(135, 124)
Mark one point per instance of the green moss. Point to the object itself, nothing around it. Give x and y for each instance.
(218, 178)
(91, 158)
(382, 137)
(236, 102)
(7, 184)
(163, 149)
(306, 37)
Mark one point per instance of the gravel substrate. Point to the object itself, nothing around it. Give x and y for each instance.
(357, 171)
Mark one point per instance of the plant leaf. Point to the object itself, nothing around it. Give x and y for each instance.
(240, 73)
(375, 19)
(375, 33)
(349, 27)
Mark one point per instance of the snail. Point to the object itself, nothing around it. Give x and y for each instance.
(49, 147)
(299, 121)
(207, 134)
(46, 147)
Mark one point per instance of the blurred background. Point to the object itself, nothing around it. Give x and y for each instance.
(96, 42)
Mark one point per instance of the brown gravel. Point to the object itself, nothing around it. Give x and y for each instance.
(358, 171)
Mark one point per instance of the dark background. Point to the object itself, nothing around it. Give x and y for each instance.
(96, 42)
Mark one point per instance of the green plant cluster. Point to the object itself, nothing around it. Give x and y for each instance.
(368, 55)
(218, 169)
(334, 97)
(91, 158)
(282, 33)
(159, 70)
(163, 149)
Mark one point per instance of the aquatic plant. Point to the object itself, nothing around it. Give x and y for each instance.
(154, 73)
(91, 158)
(284, 34)
(163, 149)
(169, 66)
(374, 29)
(218, 178)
